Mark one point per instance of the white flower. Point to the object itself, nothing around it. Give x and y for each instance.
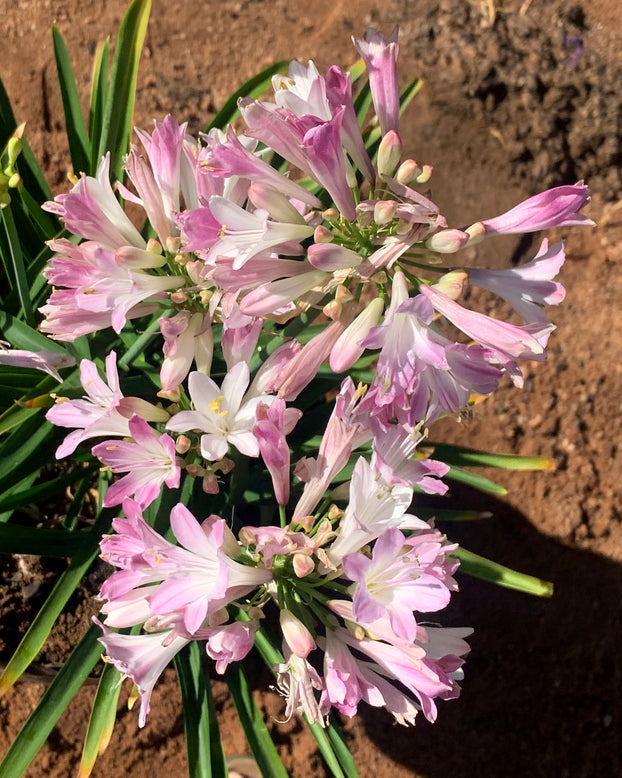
(221, 413)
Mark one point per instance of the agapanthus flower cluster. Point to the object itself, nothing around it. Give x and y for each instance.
(239, 255)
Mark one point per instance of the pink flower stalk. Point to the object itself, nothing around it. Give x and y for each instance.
(374, 506)
(186, 583)
(103, 412)
(557, 207)
(232, 157)
(324, 151)
(165, 147)
(240, 334)
(394, 452)
(92, 211)
(296, 680)
(273, 423)
(528, 287)
(425, 678)
(149, 462)
(339, 93)
(380, 56)
(508, 342)
(100, 290)
(142, 658)
(333, 455)
(242, 234)
(49, 362)
(188, 338)
(221, 413)
(402, 576)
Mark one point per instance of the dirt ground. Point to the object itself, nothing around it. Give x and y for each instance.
(518, 96)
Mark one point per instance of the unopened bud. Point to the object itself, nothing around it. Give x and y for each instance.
(384, 211)
(178, 297)
(296, 635)
(452, 284)
(172, 245)
(303, 565)
(425, 175)
(210, 483)
(408, 171)
(389, 153)
(476, 233)
(331, 215)
(447, 241)
(322, 234)
(195, 470)
(182, 444)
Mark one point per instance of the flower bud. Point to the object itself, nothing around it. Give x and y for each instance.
(408, 171)
(452, 284)
(447, 241)
(425, 175)
(322, 235)
(384, 211)
(389, 153)
(296, 635)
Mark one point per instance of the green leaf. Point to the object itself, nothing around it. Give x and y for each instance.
(474, 480)
(465, 457)
(19, 278)
(205, 755)
(253, 88)
(79, 145)
(38, 631)
(99, 94)
(24, 336)
(16, 539)
(117, 119)
(54, 701)
(255, 730)
(102, 720)
(480, 567)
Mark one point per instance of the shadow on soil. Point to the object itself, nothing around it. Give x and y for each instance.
(541, 695)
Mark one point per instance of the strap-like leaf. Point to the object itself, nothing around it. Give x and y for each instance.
(19, 278)
(475, 480)
(205, 755)
(79, 144)
(480, 567)
(99, 95)
(102, 720)
(40, 628)
(54, 701)
(116, 127)
(255, 730)
(470, 457)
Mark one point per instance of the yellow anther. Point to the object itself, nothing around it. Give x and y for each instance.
(215, 405)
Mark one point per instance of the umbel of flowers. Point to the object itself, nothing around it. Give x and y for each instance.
(237, 254)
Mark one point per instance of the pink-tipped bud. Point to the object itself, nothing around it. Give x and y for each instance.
(447, 241)
(452, 284)
(303, 565)
(408, 171)
(182, 444)
(178, 297)
(425, 175)
(389, 153)
(278, 206)
(134, 258)
(296, 635)
(322, 234)
(476, 233)
(384, 211)
(330, 257)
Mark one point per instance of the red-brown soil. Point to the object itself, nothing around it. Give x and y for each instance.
(510, 106)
